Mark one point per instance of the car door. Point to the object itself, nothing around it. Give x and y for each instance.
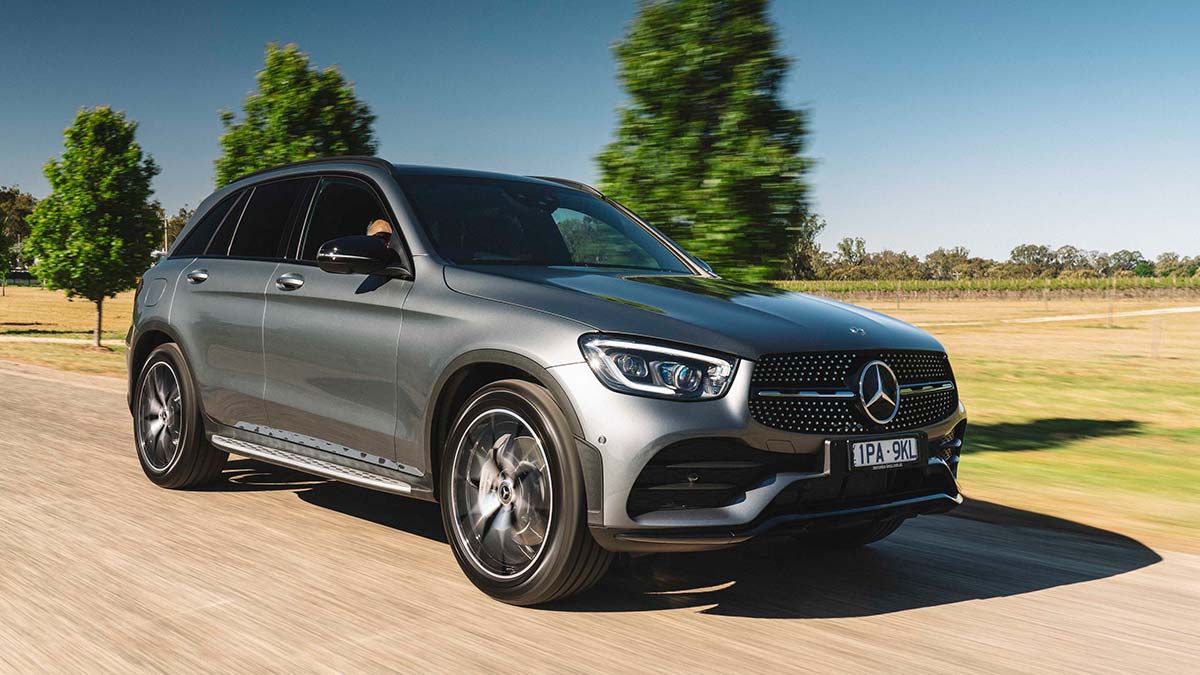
(331, 339)
(218, 307)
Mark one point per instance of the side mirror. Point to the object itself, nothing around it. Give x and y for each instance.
(361, 254)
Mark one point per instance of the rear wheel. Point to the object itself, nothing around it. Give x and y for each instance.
(512, 498)
(167, 426)
(851, 537)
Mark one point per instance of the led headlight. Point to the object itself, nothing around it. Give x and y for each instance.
(634, 367)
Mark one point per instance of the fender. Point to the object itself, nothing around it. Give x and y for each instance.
(137, 339)
(589, 457)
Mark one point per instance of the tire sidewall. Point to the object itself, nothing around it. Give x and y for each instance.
(536, 407)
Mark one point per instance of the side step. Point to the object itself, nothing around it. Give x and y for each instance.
(316, 467)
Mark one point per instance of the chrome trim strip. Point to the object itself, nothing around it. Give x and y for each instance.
(919, 388)
(926, 387)
(316, 467)
(775, 393)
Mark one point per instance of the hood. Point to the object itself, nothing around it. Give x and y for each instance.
(740, 319)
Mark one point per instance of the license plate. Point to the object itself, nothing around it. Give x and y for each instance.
(883, 453)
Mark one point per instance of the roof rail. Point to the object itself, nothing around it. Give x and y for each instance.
(572, 184)
(353, 159)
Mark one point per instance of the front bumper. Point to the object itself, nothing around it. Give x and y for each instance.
(628, 431)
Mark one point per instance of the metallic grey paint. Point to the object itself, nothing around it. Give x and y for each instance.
(359, 362)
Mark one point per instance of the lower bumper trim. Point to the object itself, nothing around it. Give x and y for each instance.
(682, 540)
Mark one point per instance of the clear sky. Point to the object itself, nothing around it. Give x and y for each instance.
(934, 123)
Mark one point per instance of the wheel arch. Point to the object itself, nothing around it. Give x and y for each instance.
(148, 337)
(468, 373)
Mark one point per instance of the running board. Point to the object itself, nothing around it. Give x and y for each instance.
(316, 467)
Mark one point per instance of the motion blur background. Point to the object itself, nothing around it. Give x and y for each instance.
(1018, 178)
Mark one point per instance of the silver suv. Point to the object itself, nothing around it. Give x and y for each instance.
(565, 381)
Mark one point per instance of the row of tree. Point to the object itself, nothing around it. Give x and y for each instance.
(705, 149)
(852, 260)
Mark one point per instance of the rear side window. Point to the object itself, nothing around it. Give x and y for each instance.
(197, 240)
(343, 207)
(262, 231)
(220, 241)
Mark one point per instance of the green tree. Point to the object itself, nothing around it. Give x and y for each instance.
(1125, 260)
(171, 226)
(804, 259)
(297, 113)
(706, 149)
(947, 263)
(93, 234)
(15, 207)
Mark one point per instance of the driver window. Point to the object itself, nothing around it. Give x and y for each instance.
(343, 207)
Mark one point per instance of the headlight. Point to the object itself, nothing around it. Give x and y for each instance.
(635, 367)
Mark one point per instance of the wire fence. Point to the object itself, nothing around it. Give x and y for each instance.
(1057, 288)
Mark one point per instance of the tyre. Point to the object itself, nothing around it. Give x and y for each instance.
(512, 498)
(167, 426)
(851, 537)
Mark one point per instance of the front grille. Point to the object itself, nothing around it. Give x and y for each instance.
(829, 372)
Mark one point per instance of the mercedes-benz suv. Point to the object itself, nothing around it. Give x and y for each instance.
(564, 380)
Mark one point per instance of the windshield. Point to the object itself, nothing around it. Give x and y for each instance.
(483, 221)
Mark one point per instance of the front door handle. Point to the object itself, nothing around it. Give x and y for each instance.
(289, 282)
(197, 276)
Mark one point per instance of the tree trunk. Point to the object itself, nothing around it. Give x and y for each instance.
(99, 318)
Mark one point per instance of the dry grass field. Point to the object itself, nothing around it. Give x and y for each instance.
(1078, 419)
(27, 313)
(1094, 420)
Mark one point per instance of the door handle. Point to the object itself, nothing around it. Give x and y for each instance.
(289, 282)
(197, 276)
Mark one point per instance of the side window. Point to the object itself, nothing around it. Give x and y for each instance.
(262, 232)
(596, 242)
(342, 207)
(220, 241)
(197, 240)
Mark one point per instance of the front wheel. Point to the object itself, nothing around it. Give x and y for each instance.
(513, 501)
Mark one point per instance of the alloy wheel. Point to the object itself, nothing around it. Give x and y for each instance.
(160, 416)
(502, 494)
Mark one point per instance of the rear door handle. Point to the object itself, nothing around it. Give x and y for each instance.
(289, 282)
(197, 276)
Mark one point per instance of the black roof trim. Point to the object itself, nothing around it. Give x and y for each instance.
(572, 184)
(347, 159)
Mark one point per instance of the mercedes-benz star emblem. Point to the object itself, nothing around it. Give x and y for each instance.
(879, 392)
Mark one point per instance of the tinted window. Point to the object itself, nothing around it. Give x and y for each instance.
(220, 241)
(262, 232)
(197, 240)
(499, 222)
(593, 241)
(343, 207)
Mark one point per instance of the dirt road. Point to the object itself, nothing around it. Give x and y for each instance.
(272, 570)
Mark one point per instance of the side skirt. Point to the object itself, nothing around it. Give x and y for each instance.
(295, 458)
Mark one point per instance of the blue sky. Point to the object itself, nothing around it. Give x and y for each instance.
(933, 123)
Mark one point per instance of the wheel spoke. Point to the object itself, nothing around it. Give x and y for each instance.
(501, 494)
(160, 416)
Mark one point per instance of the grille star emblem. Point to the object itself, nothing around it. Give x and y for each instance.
(879, 392)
